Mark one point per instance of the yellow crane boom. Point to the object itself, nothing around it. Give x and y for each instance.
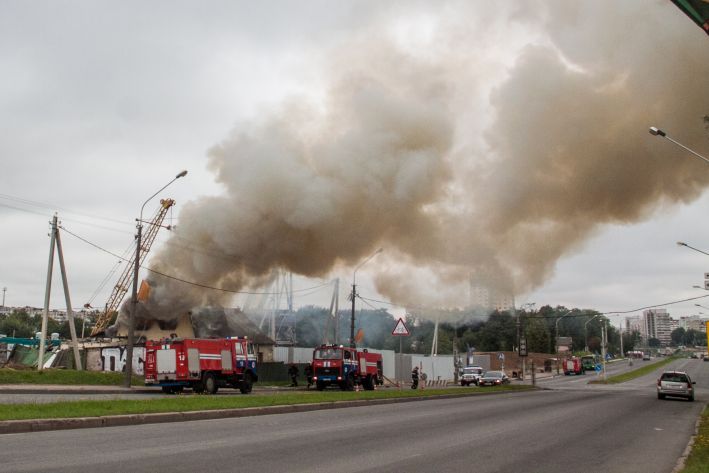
(121, 288)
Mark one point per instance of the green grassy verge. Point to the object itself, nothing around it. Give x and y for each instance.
(642, 371)
(183, 403)
(698, 460)
(52, 376)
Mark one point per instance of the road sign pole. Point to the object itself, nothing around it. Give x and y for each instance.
(401, 362)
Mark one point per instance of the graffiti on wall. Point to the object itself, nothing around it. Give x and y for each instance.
(114, 359)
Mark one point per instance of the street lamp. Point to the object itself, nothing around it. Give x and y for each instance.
(585, 329)
(681, 243)
(354, 295)
(657, 132)
(134, 296)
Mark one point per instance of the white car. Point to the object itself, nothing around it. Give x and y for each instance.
(675, 383)
(471, 375)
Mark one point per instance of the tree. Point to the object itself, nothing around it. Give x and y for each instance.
(678, 336)
(653, 343)
(537, 335)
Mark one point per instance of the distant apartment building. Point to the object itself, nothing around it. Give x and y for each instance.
(693, 322)
(486, 297)
(656, 324)
(634, 324)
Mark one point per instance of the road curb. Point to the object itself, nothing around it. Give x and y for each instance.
(688, 449)
(40, 425)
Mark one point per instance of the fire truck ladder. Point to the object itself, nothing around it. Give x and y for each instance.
(123, 284)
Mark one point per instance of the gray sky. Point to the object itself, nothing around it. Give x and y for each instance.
(102, 103)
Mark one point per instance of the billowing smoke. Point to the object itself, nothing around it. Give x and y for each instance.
(495, 143)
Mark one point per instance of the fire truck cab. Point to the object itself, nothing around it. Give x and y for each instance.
(573, 366)
(203, 364)
(346, 367)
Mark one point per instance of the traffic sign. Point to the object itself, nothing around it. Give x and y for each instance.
(500, 356)
(400, 329)
(598, 368)
(523, 346)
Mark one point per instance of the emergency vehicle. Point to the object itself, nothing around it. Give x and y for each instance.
(346, 367)
(203, 364)
(572, 366)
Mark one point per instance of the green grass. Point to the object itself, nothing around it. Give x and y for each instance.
(698, 460)
(183, 403)
(642, 371)
(54, 376)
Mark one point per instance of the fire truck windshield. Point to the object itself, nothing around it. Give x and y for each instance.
(328, 354)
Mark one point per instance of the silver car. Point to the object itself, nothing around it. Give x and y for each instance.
(675, 383)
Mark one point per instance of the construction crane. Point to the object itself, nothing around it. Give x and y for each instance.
(123, 284)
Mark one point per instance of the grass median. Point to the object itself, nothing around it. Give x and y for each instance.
(699, 457)
(636, 373)
(54, 376)
(184, 403)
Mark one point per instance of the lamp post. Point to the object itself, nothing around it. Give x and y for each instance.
(681, 243)
(556, 338)
(134, 295)
(526, 305)
(657, 132)
(354, 296)
(585, 329)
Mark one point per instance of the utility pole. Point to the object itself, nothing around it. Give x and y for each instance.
(4, 290)
(56, 243)
(604, 335)
(620, 329)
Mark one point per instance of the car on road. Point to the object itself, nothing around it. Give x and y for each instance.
(646, 356)
(676, 384)
(494, 378)
(471, 375)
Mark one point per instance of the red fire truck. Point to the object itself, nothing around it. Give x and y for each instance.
(573, 366)
(346, 367)
(203, 364)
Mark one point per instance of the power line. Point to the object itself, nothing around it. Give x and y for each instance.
(52, 207)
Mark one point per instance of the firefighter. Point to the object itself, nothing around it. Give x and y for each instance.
(293, 372)
(309, 374)
(415, 378)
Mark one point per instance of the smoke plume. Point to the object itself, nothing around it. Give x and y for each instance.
(495, 143)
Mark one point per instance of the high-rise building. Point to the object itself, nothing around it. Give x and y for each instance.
(656, 324)
(486, 292)
(634, 324)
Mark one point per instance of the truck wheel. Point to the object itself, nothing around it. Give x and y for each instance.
(167, 390)
(319, 385)
(210, 384)
(368, 383)
(247, 384)
(198, 387)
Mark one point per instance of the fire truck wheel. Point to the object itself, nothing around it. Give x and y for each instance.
(247, 384)
(210, 384)
(198, 387)
(368, 383)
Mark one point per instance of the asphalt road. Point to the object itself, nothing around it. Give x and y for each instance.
(572, 427)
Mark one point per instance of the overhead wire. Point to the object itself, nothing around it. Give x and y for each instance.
(53, 207)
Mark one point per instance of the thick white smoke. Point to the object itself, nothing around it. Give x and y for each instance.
(496, 143)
